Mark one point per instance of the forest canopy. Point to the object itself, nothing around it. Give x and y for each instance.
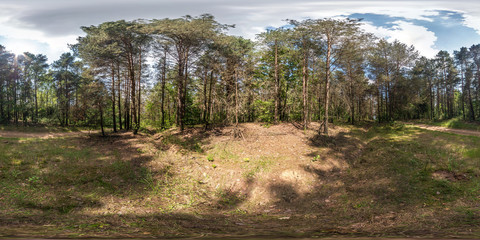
(162, 73)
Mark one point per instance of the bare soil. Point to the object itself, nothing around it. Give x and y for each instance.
(274, 180)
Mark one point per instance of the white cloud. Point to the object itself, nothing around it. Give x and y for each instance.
(472, 22)
(469, 8)
(408, 33)
(57, 22)
(18, 40)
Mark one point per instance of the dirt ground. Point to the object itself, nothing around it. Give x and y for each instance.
(273, 180)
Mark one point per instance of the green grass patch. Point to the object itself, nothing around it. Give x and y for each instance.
(456, 123)
(60, 175)
(41, 128)
(256, 166)
(404, 160)
(186, 144)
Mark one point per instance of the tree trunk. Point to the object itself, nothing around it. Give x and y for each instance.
(432, 108)
(477, 93)
(36, 101)
(236, 100)
(131, 71)
(277, 83)
(139, 107)
(438, 102)
(185, 84)
(15, 110)
(352, 96)
(113, 100)
(119, 97)
(67, 100)
(205, 106)
(126, 107)
(327, 85)
(164, 72)
(101, 119)
(284, 109)
(180, 88)
(469, 96)
(2, 113)
(305, 85)
(210, 99)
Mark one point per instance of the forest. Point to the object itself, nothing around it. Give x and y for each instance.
(172, 128)
(187, 71)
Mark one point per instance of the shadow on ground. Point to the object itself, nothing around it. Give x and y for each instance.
(385, 188)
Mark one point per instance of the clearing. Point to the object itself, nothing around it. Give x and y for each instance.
(379, 180)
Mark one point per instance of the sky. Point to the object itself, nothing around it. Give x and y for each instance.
(47, 26)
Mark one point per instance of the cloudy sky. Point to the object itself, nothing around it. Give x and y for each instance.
(46, 26)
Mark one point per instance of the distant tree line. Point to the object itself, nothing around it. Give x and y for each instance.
(187, 71)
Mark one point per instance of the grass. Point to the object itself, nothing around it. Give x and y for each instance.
(187, 145)
(403, 179)
(41, 129)
(223, 152)
(396, 175)
(58, 175)
(416, 154)
(456, 123)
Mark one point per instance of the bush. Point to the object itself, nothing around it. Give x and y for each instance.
(264, 110)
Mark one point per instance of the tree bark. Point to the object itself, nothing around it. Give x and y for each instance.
(236, 100)
(119, 97)
(205, 106)
(277, 83)
(101, 119)
(209, 108)
(327, 85)
(470, 103)
(139, 110)
(305, 85)
(164, 72)
(126, 107)
(185, 85)
(36, 101)
(113, 100)
(432, 107)
(180, 88)
(131, 71)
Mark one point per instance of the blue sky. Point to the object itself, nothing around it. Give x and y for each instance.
(47, 26)
(448, 27)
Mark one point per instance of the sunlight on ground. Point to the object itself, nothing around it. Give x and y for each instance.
(380, 179)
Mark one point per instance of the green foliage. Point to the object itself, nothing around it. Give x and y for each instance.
(202, 83)
(264, 110)
(458, 123)
(473, 153)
